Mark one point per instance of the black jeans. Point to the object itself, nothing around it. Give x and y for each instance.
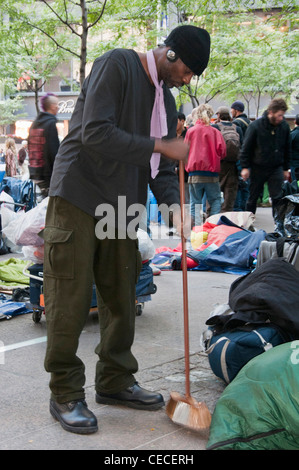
(258, 177)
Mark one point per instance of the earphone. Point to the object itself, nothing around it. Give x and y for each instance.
(171, 56)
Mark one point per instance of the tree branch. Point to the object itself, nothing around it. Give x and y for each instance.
(99, 17)
(59, 46)
(66, 10)
(216, 92)
(68, 25)
(193, 98)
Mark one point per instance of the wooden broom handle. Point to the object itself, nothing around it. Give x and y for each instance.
(184, 271)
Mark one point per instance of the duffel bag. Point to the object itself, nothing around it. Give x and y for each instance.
(230, 351)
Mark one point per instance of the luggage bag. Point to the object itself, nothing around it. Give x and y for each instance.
(229, 351)
(145, 287)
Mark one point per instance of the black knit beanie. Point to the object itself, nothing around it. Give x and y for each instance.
(192, 45)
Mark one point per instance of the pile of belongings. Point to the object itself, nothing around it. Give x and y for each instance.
(284, 241)
(224, 243)
(20, 226)
(252, 344)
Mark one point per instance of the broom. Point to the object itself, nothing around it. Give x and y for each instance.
(185, 410)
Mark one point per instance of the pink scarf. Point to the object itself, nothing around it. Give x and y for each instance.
(159, 127)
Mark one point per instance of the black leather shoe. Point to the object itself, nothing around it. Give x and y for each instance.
(74, 416)
(133, 397)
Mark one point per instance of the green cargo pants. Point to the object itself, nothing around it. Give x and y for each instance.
(74, 259)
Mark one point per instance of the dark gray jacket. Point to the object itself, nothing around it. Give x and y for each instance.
(265, 145)
(108, 149)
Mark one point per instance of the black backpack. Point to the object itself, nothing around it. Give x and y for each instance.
(232, 140)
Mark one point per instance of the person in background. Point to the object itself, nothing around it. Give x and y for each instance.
(180, 133)
(2, 156)
(188, 121)
(239, 117)
(295, 150)
(265, 154)
(229, 178)
(23, 161)
(181, 129)
(43, 143)
(191, 119)
(10, 157)
(207, 149)
(123, 126)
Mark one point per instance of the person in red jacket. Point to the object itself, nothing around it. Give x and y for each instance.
(207, 149)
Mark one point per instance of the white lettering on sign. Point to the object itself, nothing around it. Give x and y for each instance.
(66, 106)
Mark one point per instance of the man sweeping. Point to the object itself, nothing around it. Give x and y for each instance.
(123, 127)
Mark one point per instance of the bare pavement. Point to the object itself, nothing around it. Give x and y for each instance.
(26, 423)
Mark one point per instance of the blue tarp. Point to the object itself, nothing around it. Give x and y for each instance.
(10, 309)
(233, 253)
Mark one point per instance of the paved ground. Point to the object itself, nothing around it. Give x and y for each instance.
(25, 420)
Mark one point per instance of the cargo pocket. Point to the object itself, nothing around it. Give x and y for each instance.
(59, 250)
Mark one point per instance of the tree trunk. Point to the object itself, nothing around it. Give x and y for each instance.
(83, 55)
(258, 103)
(194, 100)
(36, 90)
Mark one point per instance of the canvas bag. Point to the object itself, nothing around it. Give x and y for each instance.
(232, 141)
(230, 351)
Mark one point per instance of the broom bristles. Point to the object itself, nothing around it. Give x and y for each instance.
(188, 412)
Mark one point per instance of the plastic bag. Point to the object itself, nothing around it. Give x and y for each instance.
(9, 217)
(145, 245)
(24, 229)
(286, 216)
(34, 253)
(6, 198)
